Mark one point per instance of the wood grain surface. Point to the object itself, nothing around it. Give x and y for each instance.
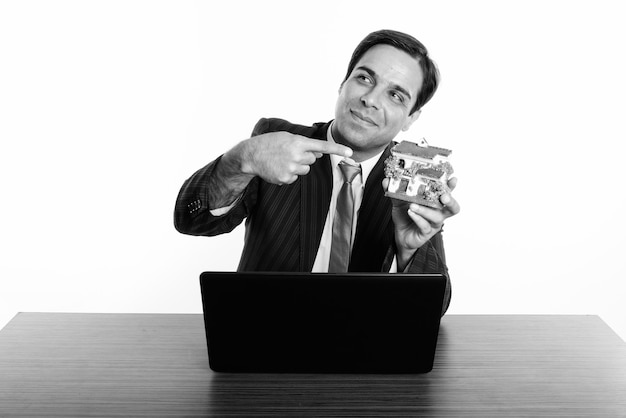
(65, 365)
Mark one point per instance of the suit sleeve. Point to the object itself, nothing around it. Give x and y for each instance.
(191, 212)
(430, 258)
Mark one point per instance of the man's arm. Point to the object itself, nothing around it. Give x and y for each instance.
(275, 157)
(418, 241)
(431, 258)
(192, 213)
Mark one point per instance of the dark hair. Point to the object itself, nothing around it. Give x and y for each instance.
(411, 46)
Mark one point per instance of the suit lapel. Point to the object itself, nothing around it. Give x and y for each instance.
(316, 189)
(374, 232)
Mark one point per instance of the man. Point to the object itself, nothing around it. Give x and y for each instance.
(286, 180)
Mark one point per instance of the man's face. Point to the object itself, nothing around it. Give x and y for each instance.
(375, 101)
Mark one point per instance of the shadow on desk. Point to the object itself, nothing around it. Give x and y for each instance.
(360, 394)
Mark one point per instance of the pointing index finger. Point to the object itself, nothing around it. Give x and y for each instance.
(325, 147)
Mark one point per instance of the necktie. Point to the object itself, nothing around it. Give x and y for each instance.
(342, 224)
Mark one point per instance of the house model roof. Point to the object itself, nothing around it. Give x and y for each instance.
(431, 173)
(412, 149)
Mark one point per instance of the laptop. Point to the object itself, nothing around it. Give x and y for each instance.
(260, 322)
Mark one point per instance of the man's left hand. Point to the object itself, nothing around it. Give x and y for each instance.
(415, 224)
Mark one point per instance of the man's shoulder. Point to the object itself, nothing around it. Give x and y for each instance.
(317, 130)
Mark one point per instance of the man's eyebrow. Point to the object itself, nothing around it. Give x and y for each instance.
(372, 73)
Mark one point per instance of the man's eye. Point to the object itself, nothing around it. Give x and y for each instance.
(364, 79)
(397, 97)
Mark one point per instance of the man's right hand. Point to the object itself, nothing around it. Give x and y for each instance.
(280, 157)
(276, 157)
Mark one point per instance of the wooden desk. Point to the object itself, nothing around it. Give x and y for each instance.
(156, 365)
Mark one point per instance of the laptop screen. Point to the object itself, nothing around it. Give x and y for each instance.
(316, 322)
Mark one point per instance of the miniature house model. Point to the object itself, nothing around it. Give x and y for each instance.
(418, 173)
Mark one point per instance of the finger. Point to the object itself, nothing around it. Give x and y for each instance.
(289, 180)
(302, 170)
(434, 217)
(451, 206)
(452, 183)
(308, 158)
(325, 147)
(425, 228)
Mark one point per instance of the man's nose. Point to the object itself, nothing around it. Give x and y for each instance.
(372, 98)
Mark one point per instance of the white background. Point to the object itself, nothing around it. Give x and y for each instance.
(106, 107)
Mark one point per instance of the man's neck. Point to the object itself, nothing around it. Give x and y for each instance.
(367, 163)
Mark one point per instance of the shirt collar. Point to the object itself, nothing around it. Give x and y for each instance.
(366, 166)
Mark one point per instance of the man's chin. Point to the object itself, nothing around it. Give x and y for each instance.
(353, 134)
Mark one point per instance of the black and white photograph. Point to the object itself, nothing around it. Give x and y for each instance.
(347, 208)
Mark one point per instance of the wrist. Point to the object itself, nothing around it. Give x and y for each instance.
(237, 161)
(227, 181)
(403, 257)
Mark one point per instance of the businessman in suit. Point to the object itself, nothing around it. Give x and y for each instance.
(287, 181)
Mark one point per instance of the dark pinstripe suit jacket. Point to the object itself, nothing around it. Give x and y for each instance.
(284, 223)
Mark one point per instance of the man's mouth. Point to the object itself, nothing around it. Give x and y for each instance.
(359, 116)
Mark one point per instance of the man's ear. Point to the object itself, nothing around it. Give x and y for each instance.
(410, 119)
